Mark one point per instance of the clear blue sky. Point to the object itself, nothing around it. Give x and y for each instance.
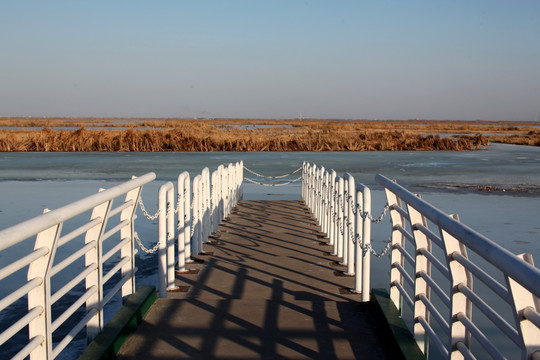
(460, 59)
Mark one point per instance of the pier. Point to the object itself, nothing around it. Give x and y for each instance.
(265, 288)
(241, 279)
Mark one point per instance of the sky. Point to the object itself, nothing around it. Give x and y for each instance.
(455, 60)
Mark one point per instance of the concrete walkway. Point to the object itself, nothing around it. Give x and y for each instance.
(267, 288)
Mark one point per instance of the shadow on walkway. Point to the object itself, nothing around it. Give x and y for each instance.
(267, 291)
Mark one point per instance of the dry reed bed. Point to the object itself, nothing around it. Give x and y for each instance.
(207, 138)
(260, 135)
(431, 126)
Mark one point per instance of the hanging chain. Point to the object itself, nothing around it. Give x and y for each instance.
(369, 247)
(269, 184)
(351, 232)
(148, 216)
(143, 248)
(381, 217)
(272, 177)
(367, 215)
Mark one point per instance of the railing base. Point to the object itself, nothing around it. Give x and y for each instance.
(402, 336)
(107, 344)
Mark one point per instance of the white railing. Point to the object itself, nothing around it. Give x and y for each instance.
(342, 209)
(199, 212)
(435, 261)
(96, 260)
(93, 261)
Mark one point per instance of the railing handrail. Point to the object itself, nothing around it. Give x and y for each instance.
(412, 218)
(19, 232)
(522, 272)
(41, 266)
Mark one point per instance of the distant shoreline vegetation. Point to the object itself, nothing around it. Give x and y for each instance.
(204, 135)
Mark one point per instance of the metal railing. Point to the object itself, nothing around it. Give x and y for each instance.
(93, 262)
(342, 209)
(435, 261)
(96, 260)
(194, 217)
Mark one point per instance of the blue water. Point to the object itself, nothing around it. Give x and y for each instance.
(499, 164)
(29, 182)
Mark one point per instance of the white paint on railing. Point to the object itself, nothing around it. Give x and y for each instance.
(413, 242)
(166, 234)
(184, 221)
(333, 201)
(362, 283)
(350, 223)
(212, 199)
(338, 248)
(332, 191)
(42, 318)
(196, 238)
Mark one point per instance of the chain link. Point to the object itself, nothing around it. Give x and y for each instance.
(367, 215)
(269, 184)
(369, 247)
(273, 177)
(143, 248)
(148, 216)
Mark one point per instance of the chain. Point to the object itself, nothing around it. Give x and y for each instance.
(268, 184)
(351, 232)
(148, 216)
(351, 205)
(148, 251)
(273, 177)
(369, 248)
(367, 215)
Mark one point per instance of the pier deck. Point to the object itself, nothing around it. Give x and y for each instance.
(266, 288)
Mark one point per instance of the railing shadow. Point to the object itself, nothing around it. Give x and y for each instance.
(275, 300)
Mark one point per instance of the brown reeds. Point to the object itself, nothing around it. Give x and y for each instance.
(230, 136)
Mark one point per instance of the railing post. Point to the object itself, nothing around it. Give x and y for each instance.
(221, 200)
(322, 171)
(332, 208)
(363, 242)
(183, 206)
(303, 186)
(40, 296)
(345, 219)
(340, 227)
(459, 303)
(420, 286)
(95, 278)
(204, 198)
(196, 243)
(524, 300)
(214, 196)
(396, 258)
(241, 179)
(317, 204)
(350, 226)
(335, 226)
(128, 250)
(166, 239)
(324, 210)
(311, 188)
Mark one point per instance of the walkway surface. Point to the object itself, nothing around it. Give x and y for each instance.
(267, 288)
